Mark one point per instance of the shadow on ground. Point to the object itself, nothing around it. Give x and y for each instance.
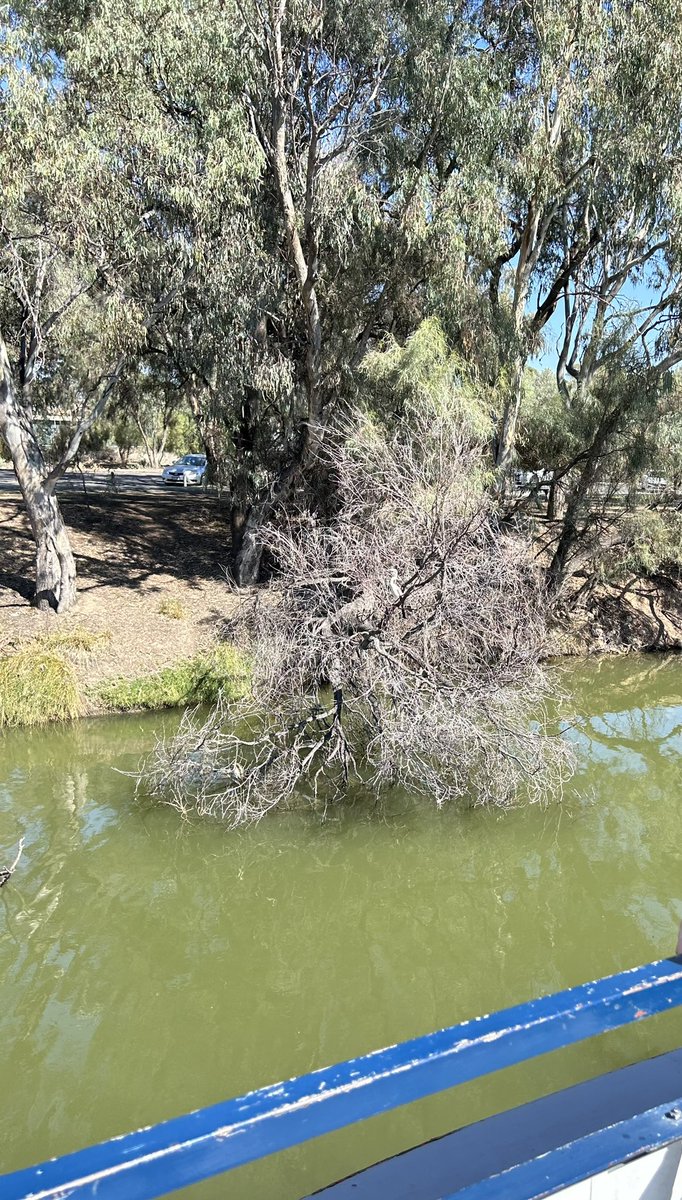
(122, 542)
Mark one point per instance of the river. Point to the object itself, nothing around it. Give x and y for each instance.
(151, 965)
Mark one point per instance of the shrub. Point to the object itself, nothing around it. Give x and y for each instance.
(648, 542)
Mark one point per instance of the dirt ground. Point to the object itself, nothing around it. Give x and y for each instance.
(135, 551)
(132, 554)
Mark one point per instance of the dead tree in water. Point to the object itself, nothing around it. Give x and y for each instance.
(399, 644)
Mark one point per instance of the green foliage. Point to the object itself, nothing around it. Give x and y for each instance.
(183, 437)
(222, 672)
(649, 541)
(424, 379)
(548, 435)
(37, 684)
(126, 437)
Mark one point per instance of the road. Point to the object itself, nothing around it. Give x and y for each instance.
(97, 483)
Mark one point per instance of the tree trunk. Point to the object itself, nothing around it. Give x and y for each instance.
(569, 537)
(557, 498)
(570, 532)
(152, 457)
(238, 519)
(201, 402)
(247, 556)
(247, 522)
(247, 560)
(55, 565)
(507, 439)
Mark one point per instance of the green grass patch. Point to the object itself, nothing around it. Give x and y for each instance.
(37, 684)
(173, 608)
(224, 670)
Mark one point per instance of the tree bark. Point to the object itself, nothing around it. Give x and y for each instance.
(303, 253)
(201, 402)
(556, 500)
(507, 439)
(247, 550)
(55, 565)
(238, 519)
(149, 448)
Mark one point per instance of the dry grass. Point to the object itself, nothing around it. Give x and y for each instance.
(38, 679)
(174, 609)
(77, 641)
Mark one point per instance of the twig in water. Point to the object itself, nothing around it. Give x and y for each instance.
(7, 872)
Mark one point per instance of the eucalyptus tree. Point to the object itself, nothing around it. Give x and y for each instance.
(579, 141)
(665, 448)
(149, 408)
(54, 253)
(100, 158)
(282, 298)
(318, 104)
(614, 370)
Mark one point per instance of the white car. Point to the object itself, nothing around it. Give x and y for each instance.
(191, 468)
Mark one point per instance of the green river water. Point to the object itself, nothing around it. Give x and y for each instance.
(150, 966)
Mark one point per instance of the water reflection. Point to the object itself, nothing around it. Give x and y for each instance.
(152, 965)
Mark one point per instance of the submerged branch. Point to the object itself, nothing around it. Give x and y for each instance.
(6, 873)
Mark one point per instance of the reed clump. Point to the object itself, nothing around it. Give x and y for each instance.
(37, 684)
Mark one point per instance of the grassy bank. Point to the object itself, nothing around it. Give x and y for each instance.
(46, 679)
(224, 670)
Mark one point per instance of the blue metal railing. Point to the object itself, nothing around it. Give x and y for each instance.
(212, 1140)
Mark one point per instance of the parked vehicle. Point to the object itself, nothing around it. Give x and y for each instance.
(529, 480)
(191, 468)
(654, 483)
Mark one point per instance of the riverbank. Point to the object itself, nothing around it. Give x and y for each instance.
(153, 600)
(145, 632)
(643, 615)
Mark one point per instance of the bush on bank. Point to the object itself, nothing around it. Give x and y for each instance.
(39, 681)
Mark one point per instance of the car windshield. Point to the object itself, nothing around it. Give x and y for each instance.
(192, 460)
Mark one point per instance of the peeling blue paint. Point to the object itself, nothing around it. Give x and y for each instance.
(176, 1153)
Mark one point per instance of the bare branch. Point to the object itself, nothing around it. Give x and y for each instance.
(399, 644)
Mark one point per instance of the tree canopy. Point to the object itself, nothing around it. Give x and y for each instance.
(266, 212)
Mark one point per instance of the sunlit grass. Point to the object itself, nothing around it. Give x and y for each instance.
(77, 640)
(223, 671)
(37, 684)
(173, 608)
